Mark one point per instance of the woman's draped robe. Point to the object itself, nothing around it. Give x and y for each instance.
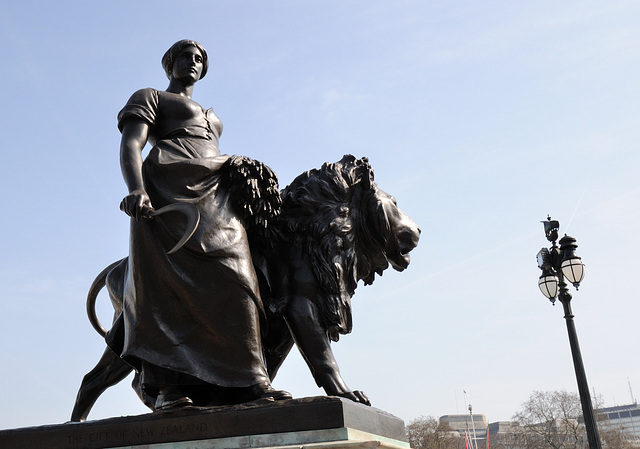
(197, 311)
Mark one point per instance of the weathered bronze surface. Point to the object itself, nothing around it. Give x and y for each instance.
(224, 271)
(311, 418)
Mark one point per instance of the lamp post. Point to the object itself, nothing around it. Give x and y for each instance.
(558, 263)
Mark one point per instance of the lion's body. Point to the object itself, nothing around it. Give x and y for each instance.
(336, 227)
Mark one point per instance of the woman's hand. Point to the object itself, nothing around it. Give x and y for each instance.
(137, 204)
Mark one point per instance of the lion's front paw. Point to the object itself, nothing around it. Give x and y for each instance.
(356, 396)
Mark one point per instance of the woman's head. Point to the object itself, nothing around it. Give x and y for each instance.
(170, 56)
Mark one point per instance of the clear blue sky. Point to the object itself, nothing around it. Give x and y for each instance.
(480, 117)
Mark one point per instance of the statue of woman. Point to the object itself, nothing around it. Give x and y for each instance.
(190, 324)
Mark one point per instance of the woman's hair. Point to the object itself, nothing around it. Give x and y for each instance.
(171, 54)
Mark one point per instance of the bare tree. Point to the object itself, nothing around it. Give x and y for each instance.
(428, 433)
(552, 420)
(548, 419)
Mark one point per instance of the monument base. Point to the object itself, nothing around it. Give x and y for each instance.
(318, 423)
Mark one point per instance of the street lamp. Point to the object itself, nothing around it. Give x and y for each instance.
(558, 263)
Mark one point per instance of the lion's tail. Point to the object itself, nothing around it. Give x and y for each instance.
(97, 285)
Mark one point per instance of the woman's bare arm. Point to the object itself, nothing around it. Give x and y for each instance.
(134, 137)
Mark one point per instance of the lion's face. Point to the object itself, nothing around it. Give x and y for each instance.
(404, 233)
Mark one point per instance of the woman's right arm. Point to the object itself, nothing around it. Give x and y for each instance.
(134, 137)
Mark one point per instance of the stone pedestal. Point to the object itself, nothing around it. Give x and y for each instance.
(322, 422)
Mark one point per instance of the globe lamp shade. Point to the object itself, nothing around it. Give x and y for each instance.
(548, 284)
(573, 270)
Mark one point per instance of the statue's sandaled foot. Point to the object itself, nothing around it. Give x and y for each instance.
(266, 391)
(171, 398)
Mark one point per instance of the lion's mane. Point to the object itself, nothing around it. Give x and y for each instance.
(335, 217)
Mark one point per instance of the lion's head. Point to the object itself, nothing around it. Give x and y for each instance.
(349, 230)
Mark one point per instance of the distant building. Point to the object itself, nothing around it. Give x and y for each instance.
(502, 428)
(503, 432)
(474, 425)
(626, 418)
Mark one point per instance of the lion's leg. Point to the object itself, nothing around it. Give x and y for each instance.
(276, 344)
(110, 370)
(304, 321)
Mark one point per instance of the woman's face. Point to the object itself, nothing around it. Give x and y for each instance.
(188, 65)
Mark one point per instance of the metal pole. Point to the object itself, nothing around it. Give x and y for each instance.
(473, 426)
(583, 388)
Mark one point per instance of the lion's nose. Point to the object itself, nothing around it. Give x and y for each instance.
(408, 239)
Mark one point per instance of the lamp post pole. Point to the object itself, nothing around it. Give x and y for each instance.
(583, 387)
(552, 263)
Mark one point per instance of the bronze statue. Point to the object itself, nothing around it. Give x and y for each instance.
(250, 270)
